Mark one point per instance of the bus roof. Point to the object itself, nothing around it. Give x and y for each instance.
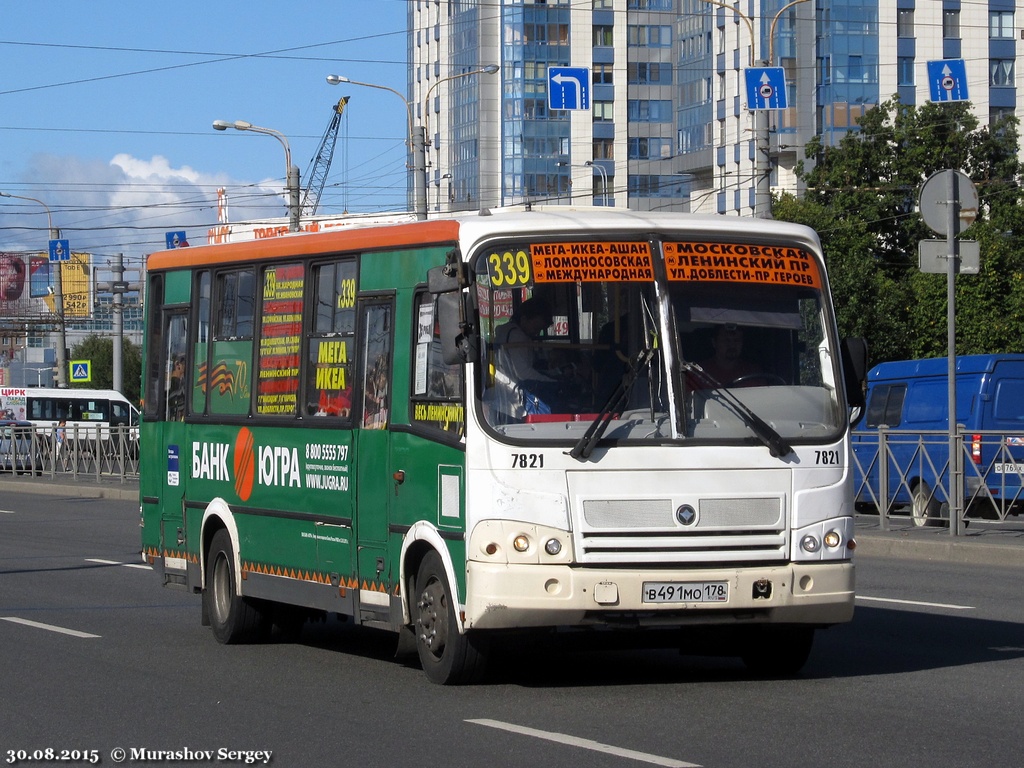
(471, 228)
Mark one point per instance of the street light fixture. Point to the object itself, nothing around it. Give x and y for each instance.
(600, 169)
(292, 171)
(58, 294)
(418, 141)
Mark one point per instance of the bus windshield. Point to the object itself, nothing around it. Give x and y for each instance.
(665, 341)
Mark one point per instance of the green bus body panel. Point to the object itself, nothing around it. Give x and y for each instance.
(300, 503)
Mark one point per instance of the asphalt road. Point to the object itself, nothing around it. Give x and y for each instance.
(99, 657)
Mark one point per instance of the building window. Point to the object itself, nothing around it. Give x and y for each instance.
(1001, 72)
(905, 70)
(604, 149)
(603, 36)
(1000, 24)
(652, 148)
(649, 36)
(951, 25)
(602, 74)
(650, 5)
(603, 111)
(649, 73)
(649, 111)
(905, 22)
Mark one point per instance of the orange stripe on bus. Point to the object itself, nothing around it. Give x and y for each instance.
(355, 239)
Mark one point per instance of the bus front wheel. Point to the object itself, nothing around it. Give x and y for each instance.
(447, 657)
(233, 618)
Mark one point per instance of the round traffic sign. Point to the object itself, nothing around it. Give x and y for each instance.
(766, 91)
(934, 201)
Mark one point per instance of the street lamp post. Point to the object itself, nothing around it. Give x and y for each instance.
(762, 138)
(291, 173)
(418, 136)
(58, 294)
(600, 169)
(417, 164)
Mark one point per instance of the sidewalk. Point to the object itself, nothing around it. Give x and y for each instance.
(984, 542)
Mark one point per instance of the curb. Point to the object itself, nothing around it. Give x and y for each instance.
(83, 489)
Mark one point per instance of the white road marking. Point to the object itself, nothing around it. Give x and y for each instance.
(6, 511)
(50, 627)
(117, 562)
(916, 602)
(595, 746)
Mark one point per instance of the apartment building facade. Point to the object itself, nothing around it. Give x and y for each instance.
(668, 125)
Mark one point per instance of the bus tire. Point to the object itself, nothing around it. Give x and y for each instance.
(777, 651)
(447, 657)
(924, 507)
(233, 618)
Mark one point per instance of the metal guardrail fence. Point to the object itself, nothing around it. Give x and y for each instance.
(101, 453)
(901, 473)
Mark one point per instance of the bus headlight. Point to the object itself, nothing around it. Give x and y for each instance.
(552, 546)
(521, 543)
(810, 543)
(833, 539)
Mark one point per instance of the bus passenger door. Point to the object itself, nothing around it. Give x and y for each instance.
(374, 483)
(165, 444)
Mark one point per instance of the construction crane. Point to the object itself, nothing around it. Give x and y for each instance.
(316, 175)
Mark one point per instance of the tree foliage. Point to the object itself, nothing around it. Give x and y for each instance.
(100, 350)
(862, 199)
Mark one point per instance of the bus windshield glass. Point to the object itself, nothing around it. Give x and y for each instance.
(667, 340)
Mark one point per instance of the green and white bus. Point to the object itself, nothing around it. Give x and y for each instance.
(334, 424)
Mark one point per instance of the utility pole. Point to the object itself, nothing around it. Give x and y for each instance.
(118, 287)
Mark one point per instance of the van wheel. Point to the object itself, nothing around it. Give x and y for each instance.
(924, 507)
(447, 657)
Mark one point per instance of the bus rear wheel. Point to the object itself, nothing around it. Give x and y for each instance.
(447, 657)
(233, 618)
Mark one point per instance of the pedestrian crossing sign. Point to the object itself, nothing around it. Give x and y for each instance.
(81, 371)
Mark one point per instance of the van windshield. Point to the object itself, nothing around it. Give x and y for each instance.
(557, 346)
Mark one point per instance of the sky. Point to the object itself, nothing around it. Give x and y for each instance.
(106, 112)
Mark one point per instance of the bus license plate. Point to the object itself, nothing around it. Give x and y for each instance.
(686, 592)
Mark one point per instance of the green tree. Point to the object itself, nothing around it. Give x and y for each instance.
(862, 197)
(100, 350)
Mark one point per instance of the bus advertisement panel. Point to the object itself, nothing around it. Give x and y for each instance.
(458, 428)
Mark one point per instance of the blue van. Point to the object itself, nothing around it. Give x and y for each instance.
(910, 399)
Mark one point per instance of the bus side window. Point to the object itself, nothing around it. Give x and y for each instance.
(377, 367)
(174, 371)
(331, 351)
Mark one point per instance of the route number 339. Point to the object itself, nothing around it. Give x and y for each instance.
(509, 270)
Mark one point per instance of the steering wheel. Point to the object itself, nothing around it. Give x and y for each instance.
(769, 379)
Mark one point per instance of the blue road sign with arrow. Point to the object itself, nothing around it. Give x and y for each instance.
(766, 88)
(60, 250)
(947, 80)
(568, 88)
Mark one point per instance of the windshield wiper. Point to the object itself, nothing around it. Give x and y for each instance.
(776, 444)
(586, 444)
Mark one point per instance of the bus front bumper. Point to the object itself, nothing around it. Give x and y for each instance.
(508, 596)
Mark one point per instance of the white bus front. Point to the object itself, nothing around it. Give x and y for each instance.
(625, 470)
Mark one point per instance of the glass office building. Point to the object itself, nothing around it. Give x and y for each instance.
(668, 125)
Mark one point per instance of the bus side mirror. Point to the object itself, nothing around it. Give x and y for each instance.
(459, 341)
(452, 276)
(855, 370)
